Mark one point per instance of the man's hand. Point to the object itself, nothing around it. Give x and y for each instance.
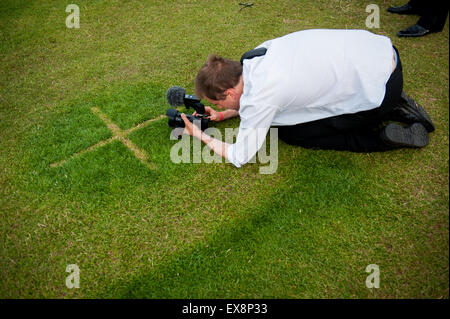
(213, 114)
(217, 146)
(189, 127)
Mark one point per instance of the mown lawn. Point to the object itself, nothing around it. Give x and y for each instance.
(201, 230)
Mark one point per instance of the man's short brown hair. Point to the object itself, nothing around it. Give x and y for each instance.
(216, 76)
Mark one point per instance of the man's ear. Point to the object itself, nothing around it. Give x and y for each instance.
(231, 92)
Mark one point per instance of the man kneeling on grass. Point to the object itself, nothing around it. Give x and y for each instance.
(322, 89)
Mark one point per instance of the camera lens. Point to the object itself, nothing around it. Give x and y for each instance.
(171, 113)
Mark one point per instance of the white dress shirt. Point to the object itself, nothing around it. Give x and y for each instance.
(306, 76)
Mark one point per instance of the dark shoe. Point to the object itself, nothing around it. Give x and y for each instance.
(413, 136)
(413, 31)
(405, 9)
(409, 111)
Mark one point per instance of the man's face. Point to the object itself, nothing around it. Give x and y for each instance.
(227, 103)
(231, 101)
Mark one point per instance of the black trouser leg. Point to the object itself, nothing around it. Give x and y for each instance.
(358, 132)
(361, 142)
(433, 13)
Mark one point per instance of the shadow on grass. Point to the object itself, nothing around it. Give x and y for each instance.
(303, 241)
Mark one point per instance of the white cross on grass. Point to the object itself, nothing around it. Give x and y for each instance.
(120, 135)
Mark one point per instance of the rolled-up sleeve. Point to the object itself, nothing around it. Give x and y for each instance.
(252, 134)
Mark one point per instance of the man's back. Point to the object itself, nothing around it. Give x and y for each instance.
(315, 74)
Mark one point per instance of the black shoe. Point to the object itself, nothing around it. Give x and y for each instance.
(413, 31)
(413, 136)
(409, 111)
(405, 9)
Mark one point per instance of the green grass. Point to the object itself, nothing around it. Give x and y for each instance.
(202, 230)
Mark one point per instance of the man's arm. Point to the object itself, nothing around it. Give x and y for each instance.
(229, 114)
(219, 116)
(217, 146)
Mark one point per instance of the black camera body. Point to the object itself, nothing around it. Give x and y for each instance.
(175, 119)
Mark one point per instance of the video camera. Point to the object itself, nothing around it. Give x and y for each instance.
(176, 96)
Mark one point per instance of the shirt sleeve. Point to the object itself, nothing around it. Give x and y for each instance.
(252, 134)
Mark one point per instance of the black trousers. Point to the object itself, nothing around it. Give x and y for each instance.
(358, 132)
(433, 14)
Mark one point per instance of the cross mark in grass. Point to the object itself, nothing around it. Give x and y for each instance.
(120, 135)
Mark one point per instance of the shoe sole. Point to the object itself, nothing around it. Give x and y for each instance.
(414, 35)
(414, 136)
(410, 12)
(403, 13)
(418, 111)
